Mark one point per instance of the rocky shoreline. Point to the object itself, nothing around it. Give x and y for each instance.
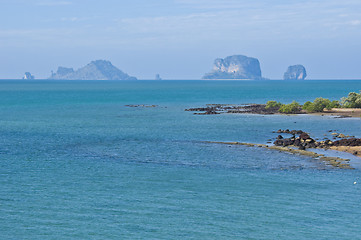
(212, 109)
(301, 143)
(230, 108)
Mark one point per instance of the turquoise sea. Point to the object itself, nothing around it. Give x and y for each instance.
(76, 163)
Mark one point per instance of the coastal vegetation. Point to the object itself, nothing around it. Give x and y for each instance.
(353, 100)
(273, 104)
(349, 106)
(293, 107)
(319, 104)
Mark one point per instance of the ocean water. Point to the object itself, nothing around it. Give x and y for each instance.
(76, 163)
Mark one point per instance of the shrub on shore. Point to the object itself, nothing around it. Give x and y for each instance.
(308, 106)
(319, 104)
(273, 105)
(353, 100)
(334, 104)
(293, 107)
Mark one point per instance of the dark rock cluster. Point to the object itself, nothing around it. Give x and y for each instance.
(254, 109)
(304, 141)
(208, 112)
(294, 132)
(351, 142)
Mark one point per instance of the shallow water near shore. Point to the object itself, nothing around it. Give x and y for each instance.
(76, 163)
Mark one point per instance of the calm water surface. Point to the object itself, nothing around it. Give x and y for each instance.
(76, 163)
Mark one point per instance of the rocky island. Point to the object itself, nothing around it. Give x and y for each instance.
(295, 72)
(28, 76)
(157, 77)
(235, 67)
(96, 70)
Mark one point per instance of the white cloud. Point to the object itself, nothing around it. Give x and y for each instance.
(69, 19)
(216, 4)
(53, 3)
(77, 19)
(355, 22)
(205, 22)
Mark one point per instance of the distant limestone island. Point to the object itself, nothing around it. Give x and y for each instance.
(295, 72)
(95, 70)
(235, 67)
(157, 77)
(28, 76)
(240, 67)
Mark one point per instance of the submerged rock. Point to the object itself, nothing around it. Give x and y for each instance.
(295, 72)
(235, 67)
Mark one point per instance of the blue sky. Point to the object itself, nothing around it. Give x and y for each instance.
(181, 38)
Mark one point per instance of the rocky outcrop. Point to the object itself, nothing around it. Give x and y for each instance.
(304, 141)
(295, 72)
(157, 77)
(28, 76)
(235, 67)
(351, 142)
(229, 108)
(241, 109)
(293, 132)
(96, 70)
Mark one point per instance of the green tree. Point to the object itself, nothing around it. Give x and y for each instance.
(293, 107)
(273, 105)
(353, 100)
(334, 104)
(308, 106)
(320, 104)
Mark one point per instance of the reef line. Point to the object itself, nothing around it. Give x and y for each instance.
(332, 161)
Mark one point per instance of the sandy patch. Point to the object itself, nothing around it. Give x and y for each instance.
(346, 112)
(353, 150)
